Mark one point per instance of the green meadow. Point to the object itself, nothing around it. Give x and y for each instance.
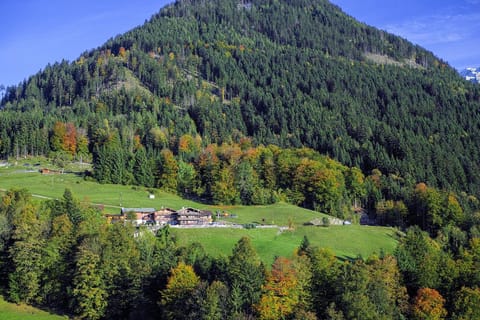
(113, 197)
(346, 241)
(12, 311)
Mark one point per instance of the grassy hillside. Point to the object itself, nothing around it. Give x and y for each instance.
(115, 196)
(112, 196)
(12, 311)
(346, 241)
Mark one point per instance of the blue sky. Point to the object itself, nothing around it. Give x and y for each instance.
(34, 33)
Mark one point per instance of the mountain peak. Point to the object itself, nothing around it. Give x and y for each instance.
(471, 74)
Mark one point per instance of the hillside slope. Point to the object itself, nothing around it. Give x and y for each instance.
(291, 73)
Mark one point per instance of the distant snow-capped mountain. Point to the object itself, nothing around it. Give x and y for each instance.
(471, 74)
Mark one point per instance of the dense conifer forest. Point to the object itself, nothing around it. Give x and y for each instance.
(250, 102)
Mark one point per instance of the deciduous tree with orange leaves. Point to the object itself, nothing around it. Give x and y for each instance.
(64, 137)
(286, 290)
(428, 305)
(70, 139)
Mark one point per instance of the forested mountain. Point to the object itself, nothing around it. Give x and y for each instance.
(290, 73)
(252, 102)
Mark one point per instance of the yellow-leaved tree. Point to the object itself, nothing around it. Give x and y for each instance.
(180, 286)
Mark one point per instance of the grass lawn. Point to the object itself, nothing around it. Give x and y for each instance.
(12, 311)
(346, 241)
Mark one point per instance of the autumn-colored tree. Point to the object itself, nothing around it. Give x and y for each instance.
(122, 52)
(180, 285)
(167, 171)
(279, 296)
(184, 144)
(286, 290)
(321, 186)
(158, 137)
(229, 153)
(355, 185)
(70, 139)
(245, 143)
(65, 138)
(428, 305)
(137, 143)
(58, 136)
(224, 191)
(189, 147)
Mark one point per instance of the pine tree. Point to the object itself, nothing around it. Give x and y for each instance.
(246, 274)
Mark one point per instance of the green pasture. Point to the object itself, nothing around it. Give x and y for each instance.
(12, 311)
(115, 196)
(281, 214)
(111, 196)
(346, 241)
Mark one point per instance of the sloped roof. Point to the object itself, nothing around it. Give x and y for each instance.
(141, 210)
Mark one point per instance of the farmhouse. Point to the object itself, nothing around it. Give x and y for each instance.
(139, 215)
(164, 216)
(191, 216)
